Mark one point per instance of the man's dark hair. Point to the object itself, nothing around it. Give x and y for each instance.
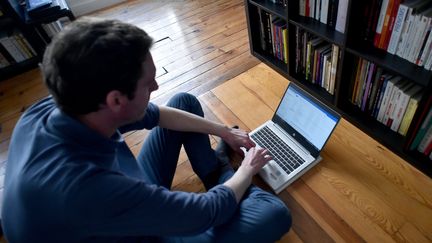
(92, 57)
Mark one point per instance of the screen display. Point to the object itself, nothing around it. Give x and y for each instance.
(307, 117)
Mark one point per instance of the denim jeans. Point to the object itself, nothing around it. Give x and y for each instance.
(261, 216)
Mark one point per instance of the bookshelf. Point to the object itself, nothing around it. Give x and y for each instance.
(353, 48)
(23, 39)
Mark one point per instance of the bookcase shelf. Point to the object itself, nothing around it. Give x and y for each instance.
(352, 48)
(317, 28)
(393, 63)
(315, 90)
(276, 64)
(270, 7)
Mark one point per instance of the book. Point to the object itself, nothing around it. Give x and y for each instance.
(380, 23)
(332, 13)
(327, 71)
(285, 44)
(312, 44)
(409, 113)
(420, 31)
(362, 82)
(402, 105)
(381, 92)
(356, 81)
(398, 26)
(368, 80)
(421, 43)
(302, 8)
(390, 112)
(8, 44)
(324, 11)
(426, 48)
(376, 84)
(317, 13)
(385, 27)
(333, 68)
(370, 20)
(422, 130)
(426, 140)
(341, 16)
(263, 29)
(391, 23)
(428, 149)
(408, 34)
(386, 98)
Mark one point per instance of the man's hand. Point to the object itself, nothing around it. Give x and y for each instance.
(254, 160)
(237, 138)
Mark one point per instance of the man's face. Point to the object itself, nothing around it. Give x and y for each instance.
(145, 86)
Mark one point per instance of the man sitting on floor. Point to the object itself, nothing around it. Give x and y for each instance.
(71, 177)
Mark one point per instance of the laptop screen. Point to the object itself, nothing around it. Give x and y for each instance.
(307, 116)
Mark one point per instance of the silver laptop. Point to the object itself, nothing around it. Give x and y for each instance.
(294, 136)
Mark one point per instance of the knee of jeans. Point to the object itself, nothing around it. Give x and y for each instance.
(278, 216)
(186, 102)
(284, 219)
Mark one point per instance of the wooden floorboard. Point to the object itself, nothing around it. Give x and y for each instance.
(360, 192)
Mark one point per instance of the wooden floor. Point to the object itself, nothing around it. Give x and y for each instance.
(359, 192)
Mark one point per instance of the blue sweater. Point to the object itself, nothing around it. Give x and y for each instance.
(66, 183)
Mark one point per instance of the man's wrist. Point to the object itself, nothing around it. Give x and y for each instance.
(225, 131)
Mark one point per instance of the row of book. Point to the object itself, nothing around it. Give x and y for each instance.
(388, 98)
(14, 48)
(422, 136)
(51, 29)
(330, 12)
(401, 28)
(273, 35)
(316, 60)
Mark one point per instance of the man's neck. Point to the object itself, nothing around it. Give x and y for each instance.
(99, 122)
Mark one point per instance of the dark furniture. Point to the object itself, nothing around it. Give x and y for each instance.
(351, 47)
(16, 20)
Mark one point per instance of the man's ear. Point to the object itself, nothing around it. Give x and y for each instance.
(115, 100)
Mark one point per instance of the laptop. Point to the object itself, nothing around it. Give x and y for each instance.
(294, 136)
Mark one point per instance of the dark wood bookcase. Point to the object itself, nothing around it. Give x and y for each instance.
(351, 47)
(10, 23)
(14, 19)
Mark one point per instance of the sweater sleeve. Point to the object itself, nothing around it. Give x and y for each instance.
(111, 204)
(150, 120)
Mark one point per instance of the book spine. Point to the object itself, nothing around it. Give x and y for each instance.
(332, 15)
(392, 20)
(324, 11)
(408, 116)
(333, 68)
(385, 28)
(367, 86)
(380, 23)
(341, 15)
(426, 49)
(397, 29)
(385, 101)
(421, 132)
(425, 140)
(378, 105)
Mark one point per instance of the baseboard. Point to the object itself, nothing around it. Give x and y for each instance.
(81, 7)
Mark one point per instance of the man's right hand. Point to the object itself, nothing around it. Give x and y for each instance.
(254, 160)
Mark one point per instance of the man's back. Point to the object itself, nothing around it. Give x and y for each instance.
(64, 183)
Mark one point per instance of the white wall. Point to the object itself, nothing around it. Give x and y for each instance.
(81, 7)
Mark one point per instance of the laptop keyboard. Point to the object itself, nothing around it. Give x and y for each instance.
(284, 156)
